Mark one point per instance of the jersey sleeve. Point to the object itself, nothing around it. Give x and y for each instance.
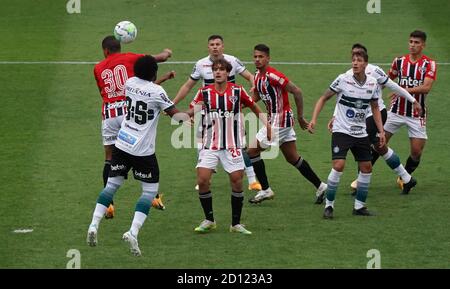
(197, 99)
(278, 79)
(195, 74)
(336, 84)
(163, 100)
(239, 66)
(431, 70)
(380, 75)
(246, 99)
(393, 71)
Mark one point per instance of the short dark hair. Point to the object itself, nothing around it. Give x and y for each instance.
(419, 34)
(359, 46)
(263, 48)
(361, 53)
(146, 68)
(222, 62)
(215, 36)
(111, 43)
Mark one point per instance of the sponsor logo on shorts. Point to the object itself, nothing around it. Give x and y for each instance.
(142, 175)
(117, 167)
(109, 138)
(336, 149)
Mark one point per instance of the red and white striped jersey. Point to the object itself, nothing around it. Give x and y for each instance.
(222, 124)
(411, 74)
(111, 75)
(271, 87)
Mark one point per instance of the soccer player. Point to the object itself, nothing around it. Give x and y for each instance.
(222, 141)
(391, 158)
(202, 70)
(111, 75)
(273, 87)
(357, 94)
(415, 72)
(135, 148)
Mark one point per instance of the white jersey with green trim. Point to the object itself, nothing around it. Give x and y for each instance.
(353, 103)
(145, 101)
(381, 77)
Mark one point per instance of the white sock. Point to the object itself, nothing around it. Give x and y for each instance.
(400, 170)
(329, 203)
(138, 221)
(251, 176)
(359, 204)
(98, 214)
(320, 188)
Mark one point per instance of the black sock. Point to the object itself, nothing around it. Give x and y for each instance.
(106, 170)
(260, 171)
(411, 165)
(157, 196)
(375, 156)
(304, 168)
(237, 200)
(206, 201)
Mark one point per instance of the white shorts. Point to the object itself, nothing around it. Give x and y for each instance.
(416, 126)
(110, 129)
(231, 159)
(280, 135)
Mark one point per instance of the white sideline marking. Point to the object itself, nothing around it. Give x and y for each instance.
(192, 62)
(23, 231)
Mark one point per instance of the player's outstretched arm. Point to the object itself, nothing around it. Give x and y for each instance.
(184, 90)
(397, 89)
(163, 56)
(168, 75)
(262, 116)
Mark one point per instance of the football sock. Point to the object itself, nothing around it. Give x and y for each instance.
(138, 221)
(106, 169)
(260, 170)
(107, 194)
(411, 165)
(362, 189)
(304, 168)
(237, 200)
(206, 202)
(249, 168)
(98, 214)
(394, 163)
(332, 182)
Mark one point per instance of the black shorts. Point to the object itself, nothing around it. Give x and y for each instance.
(145, 168)
(341, 143)
(371, 127)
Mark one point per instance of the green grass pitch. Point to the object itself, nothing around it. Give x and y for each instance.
(51, 156)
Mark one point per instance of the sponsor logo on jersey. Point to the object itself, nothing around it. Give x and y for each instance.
(350, 113)
(220, 114)
(116, 104)
(126, 137)
(409, 82)
(369, 91)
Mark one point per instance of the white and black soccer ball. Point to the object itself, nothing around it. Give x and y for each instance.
(125, 32)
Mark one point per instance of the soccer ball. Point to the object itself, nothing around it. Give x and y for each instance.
(125, 32)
